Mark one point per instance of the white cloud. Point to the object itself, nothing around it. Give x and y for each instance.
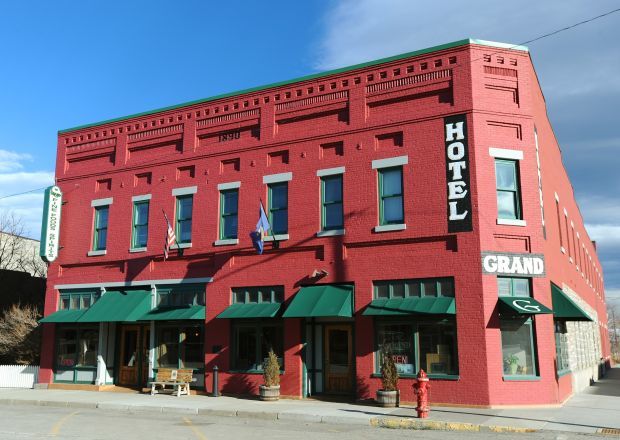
(605, 235)
(11, 161)
(16, 179)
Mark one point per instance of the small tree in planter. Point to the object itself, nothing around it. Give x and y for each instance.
(388, 395)
(271, 375)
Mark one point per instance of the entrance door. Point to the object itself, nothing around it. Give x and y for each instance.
(129, 356)
(338, 359)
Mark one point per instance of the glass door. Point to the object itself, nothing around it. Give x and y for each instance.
(338, 359)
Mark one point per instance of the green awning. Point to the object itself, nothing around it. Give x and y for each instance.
(521, 305)
(64, 316)
(252, 310)
(119, 306)
(322, 301)
(412, 305)
(565, 308)
(175, 314)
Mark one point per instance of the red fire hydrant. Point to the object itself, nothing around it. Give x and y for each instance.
(421, 388)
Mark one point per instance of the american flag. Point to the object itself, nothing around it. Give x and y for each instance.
(170, 238)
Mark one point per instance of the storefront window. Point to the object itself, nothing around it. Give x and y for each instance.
(561, 347)
(518, 346)
(397, 339)
(414, 288)
(180, 347)
(431, 341)
(77, 299)
(263, 294)
(438, 353)
(180, 296)
(252, 342)
(76, 347)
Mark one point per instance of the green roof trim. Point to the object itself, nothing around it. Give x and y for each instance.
(64, 316)
(175, 314)
(565, 308)
(119, 306)
(521, 306)
(325, 300)
(411, 306)
(250, 310)
(307, 78)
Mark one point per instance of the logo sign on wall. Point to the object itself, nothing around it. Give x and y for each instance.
(529, 265)
(457, 174)
(50, 226)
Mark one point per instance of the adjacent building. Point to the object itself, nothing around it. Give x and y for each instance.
(418, 206)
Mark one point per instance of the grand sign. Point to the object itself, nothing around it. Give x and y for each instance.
(528, 265)
(457, 174)
(50, 226)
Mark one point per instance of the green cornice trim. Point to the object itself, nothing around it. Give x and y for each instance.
(307, 78)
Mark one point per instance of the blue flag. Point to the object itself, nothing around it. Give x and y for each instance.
(262, 226)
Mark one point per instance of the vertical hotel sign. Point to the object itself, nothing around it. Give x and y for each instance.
(50, 226)
(457, 174)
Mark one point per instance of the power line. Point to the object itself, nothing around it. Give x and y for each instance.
(22, 193)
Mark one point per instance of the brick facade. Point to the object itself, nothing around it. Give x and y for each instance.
(391, 108)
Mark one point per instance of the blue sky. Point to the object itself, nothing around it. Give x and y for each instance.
(69, 63)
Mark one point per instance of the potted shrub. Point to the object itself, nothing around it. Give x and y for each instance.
(387, 396)
(270, 391)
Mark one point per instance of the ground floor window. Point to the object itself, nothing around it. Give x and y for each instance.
(252, 342)
(518, 346)
(419, 343)
(561, 347)
(76, 353)
(180, 346)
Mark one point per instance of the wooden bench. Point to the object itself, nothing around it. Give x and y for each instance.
(177, 379)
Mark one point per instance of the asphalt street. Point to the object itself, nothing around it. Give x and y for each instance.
(27, 422)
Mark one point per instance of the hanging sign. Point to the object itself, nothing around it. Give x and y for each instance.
(528, 265)
(50, 226)
(457, 174)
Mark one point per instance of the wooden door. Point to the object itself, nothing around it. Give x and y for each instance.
(129, 359)
(146, 343)
(338, 359)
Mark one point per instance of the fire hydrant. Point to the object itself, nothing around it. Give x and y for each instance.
(421, 388)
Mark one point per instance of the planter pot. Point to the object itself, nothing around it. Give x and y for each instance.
(387, 399)
(513, 369)
(269, 394)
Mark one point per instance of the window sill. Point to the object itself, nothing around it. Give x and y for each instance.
(563, 373)
(511, 222)
(181, 246)
(277, 237)
(430, 376)
(523, 378)
(96, 253)
(136, 250)
(389, 228)
(226, 242)
(562, 249)
(330, 233)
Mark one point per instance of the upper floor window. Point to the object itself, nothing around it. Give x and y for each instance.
(184, 210)
(513, 286)
(229, 201)
(139, 233)
(508, 191)
(101, 228)
(278, 207)
(332, 214)
(391, 204)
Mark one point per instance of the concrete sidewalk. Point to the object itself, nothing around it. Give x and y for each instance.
(588, 412)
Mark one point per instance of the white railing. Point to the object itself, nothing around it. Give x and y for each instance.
(18, 376)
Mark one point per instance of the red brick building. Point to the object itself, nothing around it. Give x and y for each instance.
(419, 203)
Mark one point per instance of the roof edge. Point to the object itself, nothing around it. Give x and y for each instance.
(304, 78)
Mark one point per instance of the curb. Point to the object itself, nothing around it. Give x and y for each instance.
(417, 424)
